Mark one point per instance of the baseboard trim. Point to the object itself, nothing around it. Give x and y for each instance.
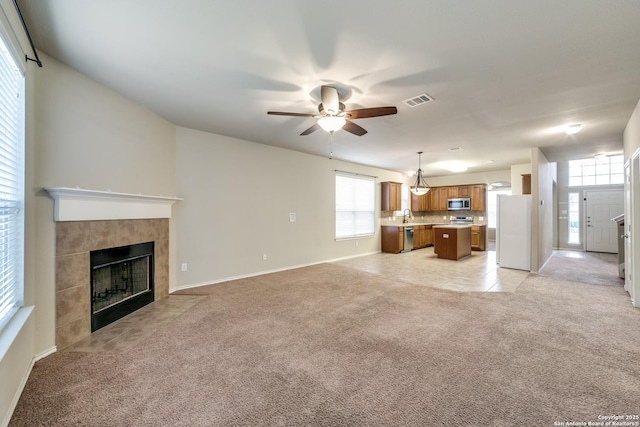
(260, 273)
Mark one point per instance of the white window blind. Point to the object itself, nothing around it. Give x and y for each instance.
(355, 206)
(11, 184)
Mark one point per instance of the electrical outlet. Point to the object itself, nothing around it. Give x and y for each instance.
(292, 217)
(357, 243)
(183, 266)
(264, 257)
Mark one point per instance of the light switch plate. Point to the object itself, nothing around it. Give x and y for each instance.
(292, 217)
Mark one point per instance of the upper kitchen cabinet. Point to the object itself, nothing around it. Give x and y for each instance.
(421, 203)
(478, 197)
(464, 191)
(454, 192)
(439, 198)
(391, 196)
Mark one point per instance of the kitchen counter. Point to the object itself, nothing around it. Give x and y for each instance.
(452, 241)
(411, 224)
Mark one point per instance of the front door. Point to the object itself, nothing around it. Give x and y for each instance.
(601, 206)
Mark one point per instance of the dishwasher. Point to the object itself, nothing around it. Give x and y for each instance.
(408, 239)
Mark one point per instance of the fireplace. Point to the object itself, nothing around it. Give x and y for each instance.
(121, 282)
(89, 222)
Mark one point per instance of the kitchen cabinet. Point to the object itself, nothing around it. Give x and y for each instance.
(391, 196)
(428, 235)
(392, 239)
(452, 242)
(478, 198)
(453, 192)
(439, 198)
(420, 203)
(464, 191)
(418, 236)
(478, 237)
(526, 183)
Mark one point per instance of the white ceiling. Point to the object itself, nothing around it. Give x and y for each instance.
(505, 74)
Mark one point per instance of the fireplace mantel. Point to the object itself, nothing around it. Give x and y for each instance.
(77, 204)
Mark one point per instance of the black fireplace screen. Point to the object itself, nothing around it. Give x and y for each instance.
(121, 282)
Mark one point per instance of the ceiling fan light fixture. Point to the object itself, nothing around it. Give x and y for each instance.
(420, 187)
(331, 123)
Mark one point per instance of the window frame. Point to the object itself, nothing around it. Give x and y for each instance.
(596, 172)
(354, 206)
(12, 179)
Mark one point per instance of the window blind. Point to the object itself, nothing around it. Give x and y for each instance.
(355, 206)
(11, 184)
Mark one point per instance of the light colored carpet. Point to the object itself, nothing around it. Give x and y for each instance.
(332, 346)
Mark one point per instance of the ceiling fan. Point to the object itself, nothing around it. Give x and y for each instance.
(332, 115)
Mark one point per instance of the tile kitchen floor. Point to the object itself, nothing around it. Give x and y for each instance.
(476, 273)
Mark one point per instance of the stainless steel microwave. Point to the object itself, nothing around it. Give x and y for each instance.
(459, 204)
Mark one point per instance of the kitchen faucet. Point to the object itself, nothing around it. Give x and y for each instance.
(404, 215)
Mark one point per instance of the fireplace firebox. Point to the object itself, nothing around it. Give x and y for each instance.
(121, 282)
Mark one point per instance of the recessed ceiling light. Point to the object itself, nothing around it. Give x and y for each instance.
(572, 129)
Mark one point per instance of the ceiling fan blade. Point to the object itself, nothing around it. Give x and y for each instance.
(310, 130)
(330, 100)
(354, 128)
(363, 113)
(280, 113)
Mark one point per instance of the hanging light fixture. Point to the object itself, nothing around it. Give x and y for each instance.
(420, 187)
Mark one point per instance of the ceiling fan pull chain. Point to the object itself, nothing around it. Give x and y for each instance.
(331, 146)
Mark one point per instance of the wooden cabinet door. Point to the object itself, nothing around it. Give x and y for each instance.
(392, 239)
(420, 203)
(428, 236)
(478, 199)
(453, 192)
(391, 196)
(443, 198)
(475, 238)
(526, 183)
(418, 233)
(464, 191)
(478, 237)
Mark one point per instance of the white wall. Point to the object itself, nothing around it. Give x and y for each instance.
(542, 181)
(237, 199)
(78, 133)
(631, 139)
(516, 177)
(468, 178)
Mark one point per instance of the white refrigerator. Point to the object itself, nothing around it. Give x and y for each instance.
(513, 232)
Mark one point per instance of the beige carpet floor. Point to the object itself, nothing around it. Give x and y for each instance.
(328, 345)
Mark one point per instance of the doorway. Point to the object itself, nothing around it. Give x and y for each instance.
(600, 207)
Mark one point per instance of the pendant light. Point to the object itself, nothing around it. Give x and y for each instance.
(420, 187)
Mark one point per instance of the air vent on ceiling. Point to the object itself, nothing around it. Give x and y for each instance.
(452, 149)
(418, 100)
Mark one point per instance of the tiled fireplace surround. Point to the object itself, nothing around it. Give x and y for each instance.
(74, 241)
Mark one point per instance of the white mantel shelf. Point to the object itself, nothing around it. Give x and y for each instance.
(77, 204)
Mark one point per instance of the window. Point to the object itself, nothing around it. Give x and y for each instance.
(355, 206)
(11, 184)
(492, 206)
(596, 171)
(574, 219)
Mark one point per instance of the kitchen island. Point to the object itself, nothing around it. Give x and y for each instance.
(452, 241)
